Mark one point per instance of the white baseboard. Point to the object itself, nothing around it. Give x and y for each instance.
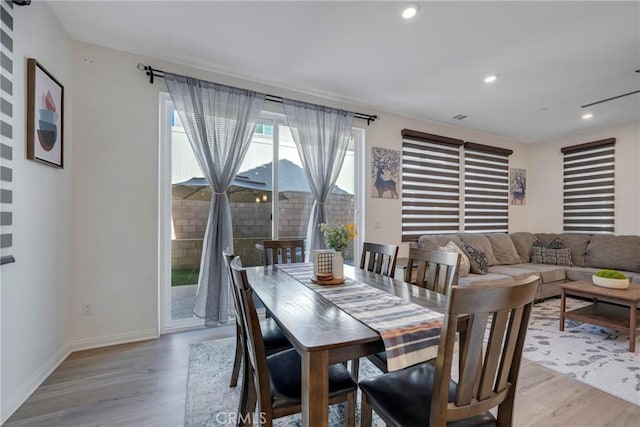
(107, 340)
(19, 396)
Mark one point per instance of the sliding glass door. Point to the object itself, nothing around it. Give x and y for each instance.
(269, 199)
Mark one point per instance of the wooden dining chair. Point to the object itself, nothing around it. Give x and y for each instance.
(424, 394)
(379, 258)
(274, 382)
(273, 337)
(283, 251)
(436, 271)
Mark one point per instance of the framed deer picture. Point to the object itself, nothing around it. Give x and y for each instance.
(385, 173)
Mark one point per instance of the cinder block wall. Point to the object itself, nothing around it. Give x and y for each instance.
(251, 225)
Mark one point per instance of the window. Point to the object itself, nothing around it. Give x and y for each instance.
(430, 184)
(486, 188)
(589, 173)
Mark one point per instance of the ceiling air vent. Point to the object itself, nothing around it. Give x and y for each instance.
(460, 117)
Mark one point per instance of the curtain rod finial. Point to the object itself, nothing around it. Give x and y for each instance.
(141, 66)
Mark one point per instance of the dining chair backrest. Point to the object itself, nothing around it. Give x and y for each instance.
(283, 251)
(488, 381)
(255, 350)
(227, 257)
(379, 258)
(436, 270)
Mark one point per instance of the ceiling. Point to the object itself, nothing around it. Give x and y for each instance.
(550, 57)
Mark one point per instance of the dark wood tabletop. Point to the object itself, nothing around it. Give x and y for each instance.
(322, 333)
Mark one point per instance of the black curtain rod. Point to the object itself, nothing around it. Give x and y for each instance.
(154, 72)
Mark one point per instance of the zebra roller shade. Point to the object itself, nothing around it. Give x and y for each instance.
(6, 131)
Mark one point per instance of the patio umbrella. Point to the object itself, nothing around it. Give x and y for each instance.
(242, 189)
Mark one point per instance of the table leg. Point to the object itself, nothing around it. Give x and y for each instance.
(315, 388)
(632, 327)
(563, 304)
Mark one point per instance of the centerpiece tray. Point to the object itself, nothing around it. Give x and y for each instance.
(326, 281)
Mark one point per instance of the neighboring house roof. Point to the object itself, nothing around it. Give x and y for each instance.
(291, 178)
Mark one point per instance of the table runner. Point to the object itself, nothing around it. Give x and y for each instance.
(410, 333)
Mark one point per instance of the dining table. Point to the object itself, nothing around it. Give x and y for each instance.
(321, 332)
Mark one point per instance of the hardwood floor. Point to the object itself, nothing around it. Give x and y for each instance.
(144, 384)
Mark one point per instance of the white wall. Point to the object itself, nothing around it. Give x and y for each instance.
(115, 185)
(386, 133)
(36, 289)
(544, 184)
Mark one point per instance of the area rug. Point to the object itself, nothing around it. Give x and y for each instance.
(211, 402)
(591, 354)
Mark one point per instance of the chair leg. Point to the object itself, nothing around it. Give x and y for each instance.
(355, 369)
(245, 395)
(238, 358)
(365, 412)
(351, 409)
(246, 418)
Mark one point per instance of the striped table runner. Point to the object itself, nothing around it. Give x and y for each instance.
(410, 333)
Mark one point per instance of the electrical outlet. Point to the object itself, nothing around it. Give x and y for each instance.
(87, 310)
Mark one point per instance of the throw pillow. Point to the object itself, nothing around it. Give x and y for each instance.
(541, 255)
(465, 266)
(563, 257)
(555, 243)
(536, 253)
(477, 259)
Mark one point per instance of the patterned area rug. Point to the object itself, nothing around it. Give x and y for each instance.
(211, 402)
(591, 354)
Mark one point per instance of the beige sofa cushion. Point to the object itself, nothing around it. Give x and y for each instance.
(485, 279)
(480, 241)
(578, 244)
(614, 252)
(523, 242)
(503, 249)
(515, 273)
(548, 273)
(433, 242)
(580, 273)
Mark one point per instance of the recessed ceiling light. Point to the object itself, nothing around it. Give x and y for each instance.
(410, 11)
(490, 79)
(587, 116)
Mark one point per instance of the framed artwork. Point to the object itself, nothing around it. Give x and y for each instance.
(45, 116)
(517, 186)
(385, 173)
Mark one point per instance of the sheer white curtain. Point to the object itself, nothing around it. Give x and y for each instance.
(322, 136)
(219, 122)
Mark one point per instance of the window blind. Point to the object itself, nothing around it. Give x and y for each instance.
(6, 131)
(430, 184)
(486, 188)
(589, 191)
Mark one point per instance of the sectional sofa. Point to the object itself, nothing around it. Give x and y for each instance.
(509, 257)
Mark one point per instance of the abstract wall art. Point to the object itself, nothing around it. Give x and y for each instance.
(45, 116)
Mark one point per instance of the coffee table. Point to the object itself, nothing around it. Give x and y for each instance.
(603, 313)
